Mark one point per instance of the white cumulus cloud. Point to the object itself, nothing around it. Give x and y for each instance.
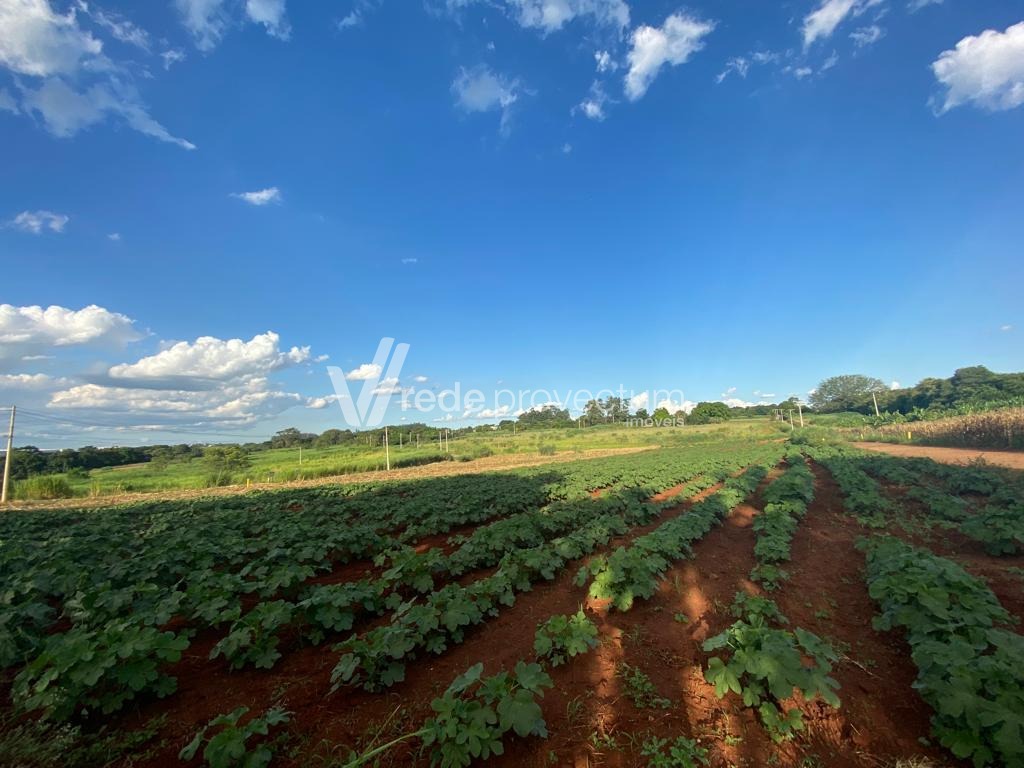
(205, 383)
(552, 15)
(674, 407)
(120, 28)
(820, 23)
(673, 43)
(209, 20)
(481, 90)
(364, 372)
(30, 332)
(260, 196)
(66, 78)
(206, 20)
(36, 221)
(593, 105)
(271, 14)
(30, 381)
(866, 36)
(240, 404)
(985, 70)
(35, 40)
(605, 62)
(212, 359)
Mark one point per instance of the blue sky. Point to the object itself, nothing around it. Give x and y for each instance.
(732, 199)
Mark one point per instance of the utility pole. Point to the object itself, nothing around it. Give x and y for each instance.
(875, 401)
(7, 460)
(446, 440)
(387, 450)
(791, 424)
(800, 410)
(300, 455)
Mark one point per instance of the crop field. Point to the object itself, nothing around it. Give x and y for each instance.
(736, 601)
(1001, 429)
(286, 465)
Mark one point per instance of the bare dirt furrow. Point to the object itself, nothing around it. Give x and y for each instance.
(350, 717)
(882, 718)
(594, 722)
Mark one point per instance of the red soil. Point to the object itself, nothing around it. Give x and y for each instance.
(1011, 459)
(590, 717)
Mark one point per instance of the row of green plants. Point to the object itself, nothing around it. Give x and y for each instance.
(197, 559)
(766, 664)
(634, 572)
(253, 638)
(377, 659)
(785, 504)
(475, 714)
(969, 663)
(471, 718)
(862, 495)
(122, 579)
(996, 521)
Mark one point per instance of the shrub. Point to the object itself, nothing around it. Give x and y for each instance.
(562, 637)
(227, 748)
(546, 450)
(43, 487)
(219, 479)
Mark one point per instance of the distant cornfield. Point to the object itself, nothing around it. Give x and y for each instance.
(992, 429)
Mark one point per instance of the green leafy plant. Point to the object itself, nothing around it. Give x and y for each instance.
(968, 668)
(475, 713)
(680, 753)
(253, 638)
(640, 689)
(229, 746)
(767, 665)
(102, 670)
(562, 637)
(999, 529)
(628, 574)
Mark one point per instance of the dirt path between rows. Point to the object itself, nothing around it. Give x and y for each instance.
(882, 718)
(325, 725)
(1010, 459)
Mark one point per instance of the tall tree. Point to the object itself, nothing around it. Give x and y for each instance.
(845, 393)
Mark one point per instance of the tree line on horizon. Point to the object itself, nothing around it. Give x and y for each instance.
(974, 385)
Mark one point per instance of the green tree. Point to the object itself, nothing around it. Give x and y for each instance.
(845, 393)
(709, 413)
(660, 414)
(593, 412)
(225, 459)
(545, 417)
(616, 408)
